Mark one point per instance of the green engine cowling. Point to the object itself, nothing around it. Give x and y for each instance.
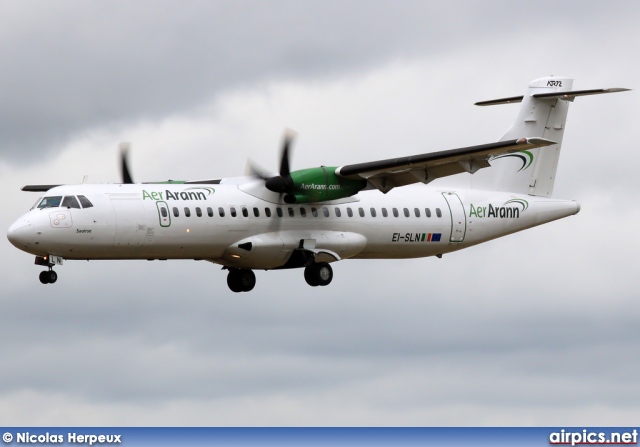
(321, 184)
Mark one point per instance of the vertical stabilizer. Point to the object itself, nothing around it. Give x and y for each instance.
(543, 113)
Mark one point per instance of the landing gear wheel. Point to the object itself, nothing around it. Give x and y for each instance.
(241, 280)
(48, 277)
(319, 274)
(309, 276)
(44, 277)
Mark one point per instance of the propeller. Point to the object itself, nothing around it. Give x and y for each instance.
(124, 164)
(282, 183)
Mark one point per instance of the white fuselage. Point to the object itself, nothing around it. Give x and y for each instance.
(179, 221)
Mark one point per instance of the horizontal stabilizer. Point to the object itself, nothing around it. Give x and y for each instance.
(495, 102)
(566, 96)
(569, 96)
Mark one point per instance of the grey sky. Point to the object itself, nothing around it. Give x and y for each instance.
(535, 328)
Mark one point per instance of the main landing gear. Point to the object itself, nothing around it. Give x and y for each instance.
(48, 277)
(241, 280)
(244, 280)
(318, 274)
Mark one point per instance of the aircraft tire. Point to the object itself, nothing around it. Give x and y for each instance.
(319, 274)
(53, 276)
(241, 280)
(324, 273)
(44, 277)
(247, 280)
(309, 276)
(233, 281)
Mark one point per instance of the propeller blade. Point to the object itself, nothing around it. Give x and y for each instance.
(284, 158)
(124, 165)
(254, 170)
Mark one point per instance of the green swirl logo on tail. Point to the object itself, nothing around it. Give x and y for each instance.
(209, 190)
(523, 203)
(525, 157)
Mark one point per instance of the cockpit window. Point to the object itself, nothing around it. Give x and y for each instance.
(37, 202)
(50, 202)
(85, 202)
(70, 202)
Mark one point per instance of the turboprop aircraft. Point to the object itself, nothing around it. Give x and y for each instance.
(313, 217)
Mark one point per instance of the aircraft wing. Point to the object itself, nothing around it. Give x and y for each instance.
(387, 174)
(38, 188)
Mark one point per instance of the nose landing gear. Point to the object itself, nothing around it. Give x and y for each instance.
(48, 277)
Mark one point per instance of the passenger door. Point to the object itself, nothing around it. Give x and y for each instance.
(458, 217)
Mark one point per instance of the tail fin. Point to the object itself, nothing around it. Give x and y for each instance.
(543, 113)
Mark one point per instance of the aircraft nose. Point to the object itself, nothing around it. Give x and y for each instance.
(19, 233)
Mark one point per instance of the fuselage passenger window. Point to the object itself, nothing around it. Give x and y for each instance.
(256, 212)
(438, 212)
(267, 212)
(291, 212)
(279, 212)
(245, 212)
(314, 212)
(406, 212)
(373, 212)
(198, 212)
(232, 210)
(85, 202)
(303, 212)
(338, 212)
(417, 211)
(349, 212)
(187, 212)
(427, 211)
(325, 211)
(361, 212)
(50, 202)
(70, 202)
(221, 211)
(209, 211)
(395, 212)
(163, 211)
(176, 213)
(384, 212)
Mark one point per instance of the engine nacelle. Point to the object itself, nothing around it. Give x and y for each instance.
(320, 185)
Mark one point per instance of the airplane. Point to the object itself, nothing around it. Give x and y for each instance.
(311, 218)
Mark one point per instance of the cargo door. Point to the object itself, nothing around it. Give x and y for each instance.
(130, 222)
